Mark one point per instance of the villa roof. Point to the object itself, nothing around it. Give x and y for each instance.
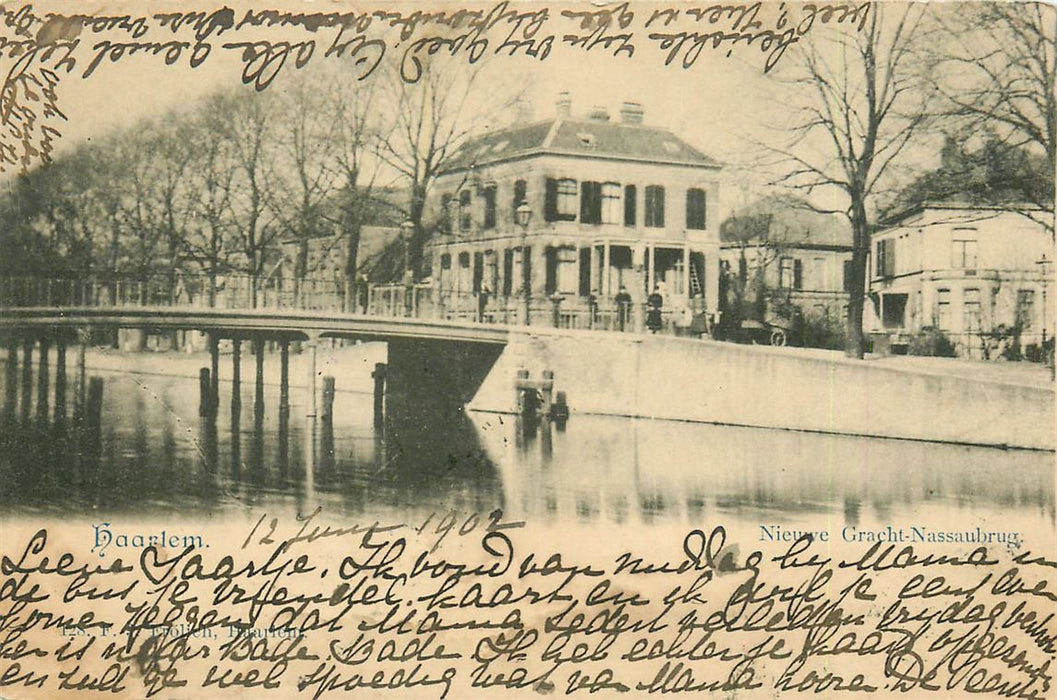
(792, 223)
(579, 137)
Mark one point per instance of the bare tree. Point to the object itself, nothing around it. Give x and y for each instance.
(999, 71)
(302, 178)
(865, 98)
(170, 140)
(359, 132)
(434, 116)
(210, 179)
(250, 132)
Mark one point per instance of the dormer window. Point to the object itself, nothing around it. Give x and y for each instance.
(586, 139)
(671, 147)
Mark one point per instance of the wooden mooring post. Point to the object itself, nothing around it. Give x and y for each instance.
(236, 376)
(11, 380)
(60, 381)
(379, 374)
(284, 375)
(214, 376)
(42, 382)
(258, 384)
(534, 396)
(310, 399)
(27, 379)
(205, 393)
(328, 398)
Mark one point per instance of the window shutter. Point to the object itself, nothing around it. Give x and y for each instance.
(551, 283)
(508, 271)
(478, 271)
(489, 195)
(550, 207)
(798, 273)
(591, 202)
(629, 205)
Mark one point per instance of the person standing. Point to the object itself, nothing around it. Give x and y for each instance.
(623, 300)
(653, 309)
(363, 291)
(409, 293)
(482, 302)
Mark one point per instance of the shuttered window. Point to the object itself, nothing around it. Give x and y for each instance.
(655, 206)
(488, 195)
(630, 196)
(561, 204)
(590, 202)
(695, 209)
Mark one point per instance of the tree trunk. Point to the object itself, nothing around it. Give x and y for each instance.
(418, 236)
(854, 343)
(352, 251)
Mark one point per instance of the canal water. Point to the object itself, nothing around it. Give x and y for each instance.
(155, 456)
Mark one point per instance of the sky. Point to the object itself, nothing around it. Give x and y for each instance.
(724, 105)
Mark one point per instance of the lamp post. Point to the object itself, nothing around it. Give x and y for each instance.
(407, 230)
(523, 214)
(1044, 262)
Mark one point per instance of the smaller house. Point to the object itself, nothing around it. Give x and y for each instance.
(978, 274)
(780, 257)
(325, 255)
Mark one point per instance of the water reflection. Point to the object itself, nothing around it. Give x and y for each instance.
(151, 453)
(626, 470)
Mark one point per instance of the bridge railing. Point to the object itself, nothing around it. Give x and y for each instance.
(389, 300)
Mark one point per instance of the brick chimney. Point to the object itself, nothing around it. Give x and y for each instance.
(598, 114)
(632, 113)
(524, 111)
(564, 105)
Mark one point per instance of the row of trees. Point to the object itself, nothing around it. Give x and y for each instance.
(213, 191)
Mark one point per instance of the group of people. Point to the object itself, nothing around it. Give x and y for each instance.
(654, 306)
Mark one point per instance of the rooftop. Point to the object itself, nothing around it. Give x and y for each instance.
(579, 137)
(786, 221)
(956, 204)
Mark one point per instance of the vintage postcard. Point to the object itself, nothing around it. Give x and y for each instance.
(504, 349)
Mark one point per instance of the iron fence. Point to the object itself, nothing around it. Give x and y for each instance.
(420, 300)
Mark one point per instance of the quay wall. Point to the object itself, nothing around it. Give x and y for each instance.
(788, 388)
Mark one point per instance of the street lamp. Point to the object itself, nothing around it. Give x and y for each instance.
(1044, 261)
(407, 230)
(523, 215)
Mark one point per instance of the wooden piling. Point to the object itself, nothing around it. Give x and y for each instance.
(205, 393)
(310, 402)
(258, 388)
(60, 380)
(379, 373)
(236, 375)
(522, 397)
(284, 375)
(546, 392)
(27, 379)
(11, 380)
(42, 382)
(214, 376)
(93, 417)
(80, 387)
(328, 398)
